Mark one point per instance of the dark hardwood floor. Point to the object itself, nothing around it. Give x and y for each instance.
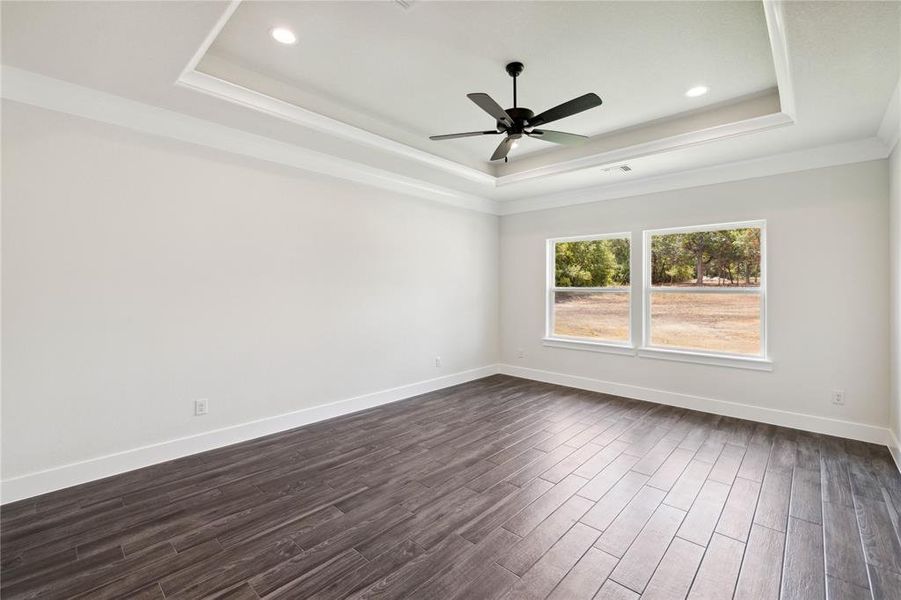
(499, 488)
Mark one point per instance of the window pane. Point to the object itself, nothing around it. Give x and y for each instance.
(715, 322)
(592, 263)
(599, 316)
(729, 257)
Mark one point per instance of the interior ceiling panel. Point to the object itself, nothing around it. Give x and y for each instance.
(405, 72)
(842, 58)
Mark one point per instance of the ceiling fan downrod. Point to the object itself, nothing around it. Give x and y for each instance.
(513, 70)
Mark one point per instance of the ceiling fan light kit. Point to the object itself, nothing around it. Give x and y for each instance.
(519, 121)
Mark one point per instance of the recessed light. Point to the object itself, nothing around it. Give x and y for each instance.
(283, 36)
(698, 90)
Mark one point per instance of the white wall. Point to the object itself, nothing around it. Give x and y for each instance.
(825, 331)
(890, 128)
(895, 282)
(140, 274)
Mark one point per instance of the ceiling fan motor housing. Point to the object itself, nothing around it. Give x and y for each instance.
(520, 117)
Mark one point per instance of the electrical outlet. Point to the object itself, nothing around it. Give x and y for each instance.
(437, 361)
(201, 407)
(838, 397)
(520, 353)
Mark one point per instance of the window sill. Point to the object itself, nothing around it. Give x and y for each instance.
(605, 347)
(685, 356)
(701, 358)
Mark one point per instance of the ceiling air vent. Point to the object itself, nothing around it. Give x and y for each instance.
(618, 169)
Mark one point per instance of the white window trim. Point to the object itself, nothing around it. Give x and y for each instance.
(647, 350)
(580, 343)
(590, 346)
(737, 361)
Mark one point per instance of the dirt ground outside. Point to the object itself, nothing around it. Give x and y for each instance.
(601, 316)
(717, 322)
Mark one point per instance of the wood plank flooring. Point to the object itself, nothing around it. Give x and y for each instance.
(499, 488)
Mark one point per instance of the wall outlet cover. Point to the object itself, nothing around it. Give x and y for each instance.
(201, 407)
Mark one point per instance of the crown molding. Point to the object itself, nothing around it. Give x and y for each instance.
(775, 23)
(802, 160)
(193, 79)
(786, 116)
(890, 127)
(242, 96)
(228, 91)
(61, 96)
(236, 94)
(667, 144)
(210, 37)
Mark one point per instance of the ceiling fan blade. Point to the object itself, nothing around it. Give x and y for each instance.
(503, 148)
(487, 103)
(453, 136)
(557, 137)
(567, 109)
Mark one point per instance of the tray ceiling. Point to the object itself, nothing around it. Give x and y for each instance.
(134, 65)
(403, 73)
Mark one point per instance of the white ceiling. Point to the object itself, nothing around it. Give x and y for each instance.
(404, 73)
(843, 61)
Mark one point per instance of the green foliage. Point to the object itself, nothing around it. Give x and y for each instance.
(725, 257)
(592, 263)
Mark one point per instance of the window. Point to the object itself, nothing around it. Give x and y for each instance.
(705, 289)
(588, 289)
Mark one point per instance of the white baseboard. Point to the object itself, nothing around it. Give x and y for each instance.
(33, 484)
(40, 482)
(837, 427)
(895, 448)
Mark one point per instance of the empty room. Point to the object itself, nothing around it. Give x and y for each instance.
(450, 300)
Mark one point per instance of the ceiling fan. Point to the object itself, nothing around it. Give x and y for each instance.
(516, 122)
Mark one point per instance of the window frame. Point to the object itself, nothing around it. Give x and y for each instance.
(649, 350)
(565, 341)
